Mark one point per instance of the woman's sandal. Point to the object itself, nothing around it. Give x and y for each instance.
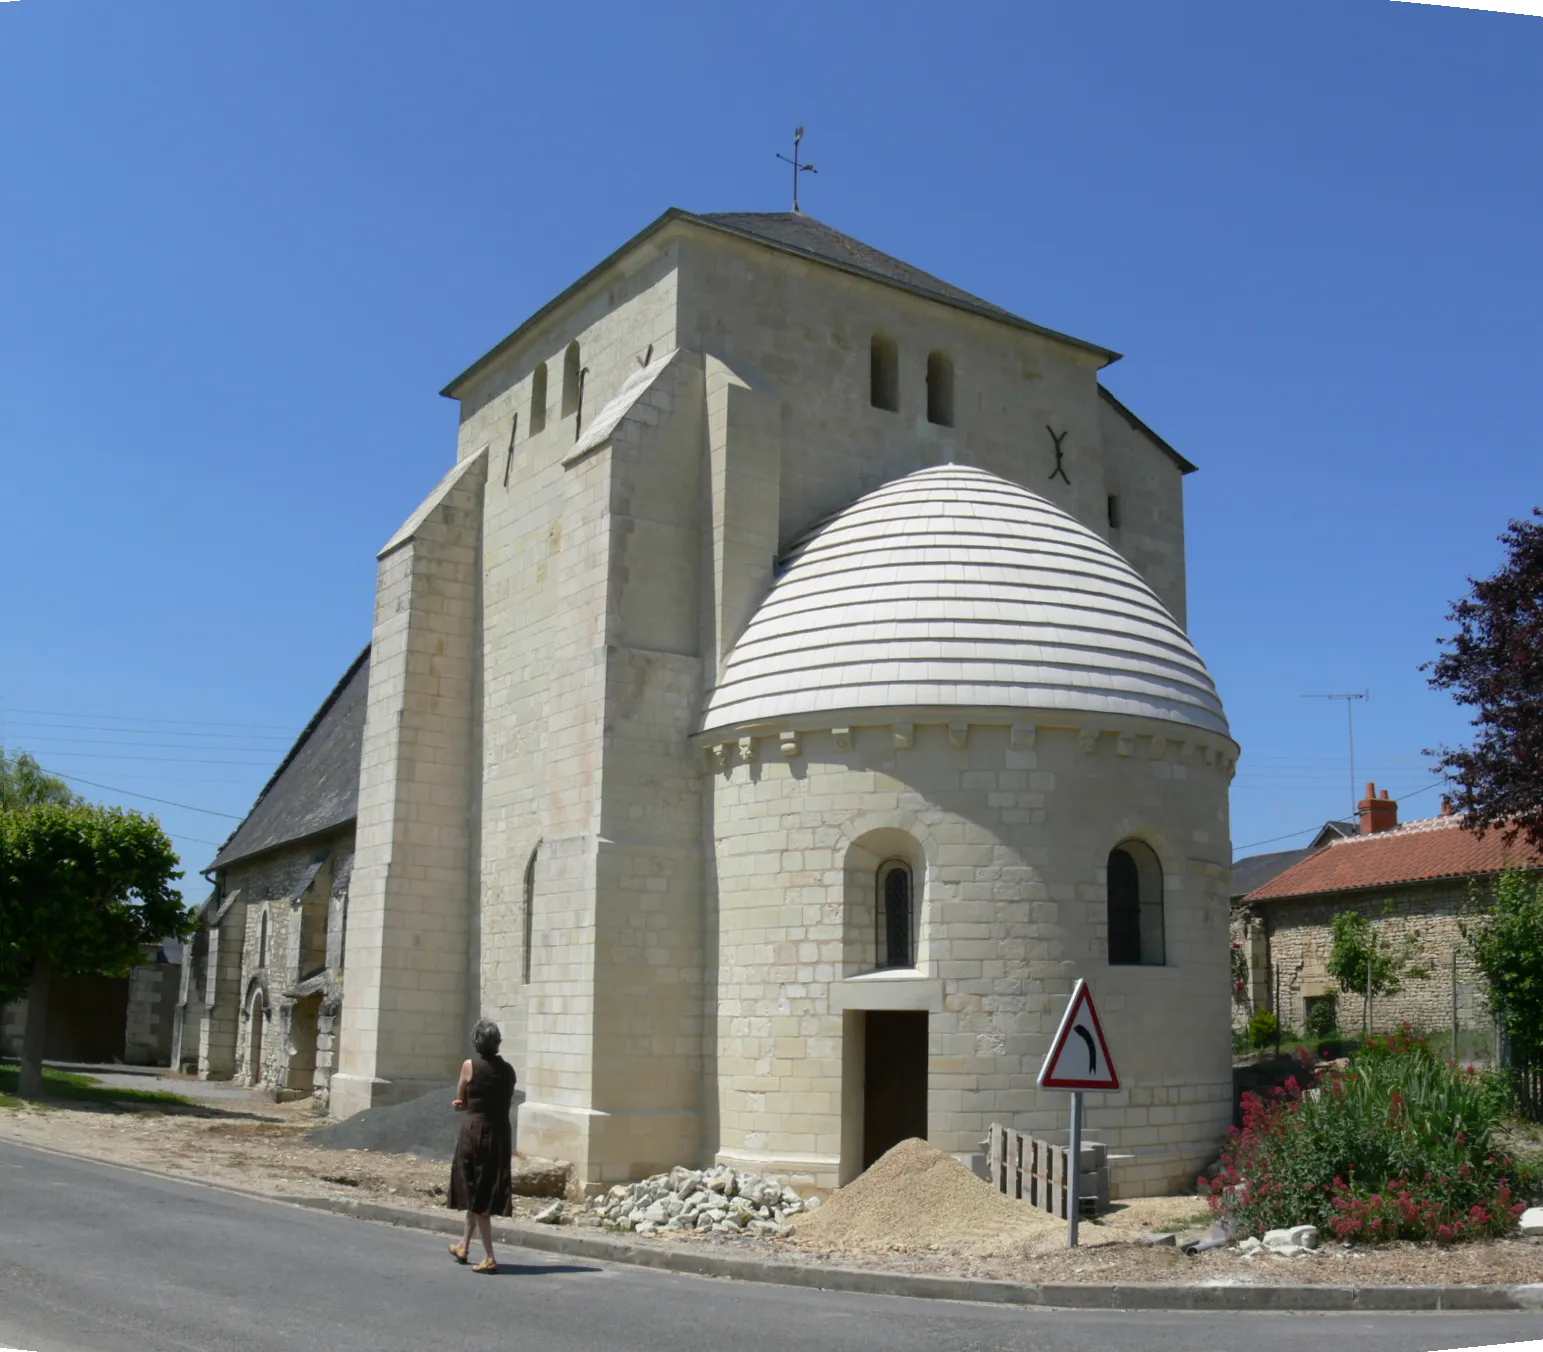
(458, 1254)
(486, 1265)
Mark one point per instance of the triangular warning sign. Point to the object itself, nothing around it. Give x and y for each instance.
(1079, 1057)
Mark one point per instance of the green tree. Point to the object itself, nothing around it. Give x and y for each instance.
(82, 889)
(1506, 940)
(25, 783)
(1364, 965)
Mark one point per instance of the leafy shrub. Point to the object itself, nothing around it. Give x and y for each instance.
(1400, 1146)
(1323, 1018)
(1262, 1030)
(1506, 940)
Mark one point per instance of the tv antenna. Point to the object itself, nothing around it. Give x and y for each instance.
(1350, 724)
(798, 135)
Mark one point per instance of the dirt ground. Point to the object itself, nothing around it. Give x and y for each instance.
(264, 1149)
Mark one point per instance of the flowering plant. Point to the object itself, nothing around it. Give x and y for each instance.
(1400, 1146)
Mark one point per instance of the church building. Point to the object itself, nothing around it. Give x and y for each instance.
(780, 702)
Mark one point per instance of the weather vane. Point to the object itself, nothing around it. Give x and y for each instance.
(798, 135)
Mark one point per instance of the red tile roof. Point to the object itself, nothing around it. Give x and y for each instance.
(1415, 852)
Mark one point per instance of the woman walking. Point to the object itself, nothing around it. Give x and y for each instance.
(480, 1172)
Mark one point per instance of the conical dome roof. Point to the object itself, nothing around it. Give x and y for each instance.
(953, 588)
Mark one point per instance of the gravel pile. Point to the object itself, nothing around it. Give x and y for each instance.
(915, 1197)
(426, 1127)
(721, 1200)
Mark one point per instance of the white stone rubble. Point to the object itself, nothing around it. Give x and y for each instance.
(1293, 1237)
(721, 1200)
(1531, 1222)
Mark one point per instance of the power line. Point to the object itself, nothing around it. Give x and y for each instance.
(36, 740)
(159, 760)
(135, 718)
(28, 727)
(151, 798)
(1291, 835)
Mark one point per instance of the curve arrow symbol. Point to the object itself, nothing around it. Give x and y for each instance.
(1092, 1048)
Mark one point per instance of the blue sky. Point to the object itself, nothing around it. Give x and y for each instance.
(244, 246)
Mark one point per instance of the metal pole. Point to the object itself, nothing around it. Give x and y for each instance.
(1371, 959)
(1454, 1006)
(1074, 1171)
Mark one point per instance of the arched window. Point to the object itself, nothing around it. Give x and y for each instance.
(1135, 906)
(528, 915)
(884, 374)
(896, 914)
(538, 399)
(940, 389)
(572, 374)
(262, 939)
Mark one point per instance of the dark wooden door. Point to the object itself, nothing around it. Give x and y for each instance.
(894, 1080)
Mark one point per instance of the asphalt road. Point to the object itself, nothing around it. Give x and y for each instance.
(100, 1259)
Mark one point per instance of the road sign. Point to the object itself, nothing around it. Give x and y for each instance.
(1079, 1057)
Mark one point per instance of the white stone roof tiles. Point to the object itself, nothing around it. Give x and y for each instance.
(954, 588)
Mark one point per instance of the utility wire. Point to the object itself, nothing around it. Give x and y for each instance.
(129, 793)
(135, 718)
(1292, 835)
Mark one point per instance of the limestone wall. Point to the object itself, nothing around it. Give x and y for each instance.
(1301, 940)
(153, 991)
(301, 905)
(1014, 843)
(805, 330)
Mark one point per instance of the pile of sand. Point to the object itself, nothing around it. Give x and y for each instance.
(914, 1198)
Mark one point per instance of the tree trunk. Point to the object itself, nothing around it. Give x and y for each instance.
(30, 1081)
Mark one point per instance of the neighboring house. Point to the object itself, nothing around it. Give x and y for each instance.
(263, 977)
(1251, 872)
(102, 1019)
(1413, 881)
(1255, 870)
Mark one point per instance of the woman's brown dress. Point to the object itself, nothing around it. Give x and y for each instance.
(480, 1171)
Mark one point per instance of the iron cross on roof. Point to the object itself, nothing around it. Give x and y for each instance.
(798, 135)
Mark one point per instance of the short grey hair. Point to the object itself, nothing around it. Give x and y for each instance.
(485, 1038)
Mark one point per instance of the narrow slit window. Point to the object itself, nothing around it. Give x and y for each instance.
(896, 914)
(538, 400)
(884, 374)
(1135, 890)
(571, 378)
(1114, 511)
(940, 389)
(528, 916)
(262, 940)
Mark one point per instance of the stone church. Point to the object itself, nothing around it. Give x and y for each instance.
(781, 701)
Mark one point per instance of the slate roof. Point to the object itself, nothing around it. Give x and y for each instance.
(797, 233)
(953, 588)
(1418, 851)
(316, 787)
(793, 232)
(1257, 869)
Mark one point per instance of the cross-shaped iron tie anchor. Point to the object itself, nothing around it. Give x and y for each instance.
(1059, 467)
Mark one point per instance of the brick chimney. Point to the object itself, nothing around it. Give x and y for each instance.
(1377, 814)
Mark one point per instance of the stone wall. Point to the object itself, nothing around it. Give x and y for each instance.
(1300, 942)
(1012, 844)
(153, 992)
(292, 907)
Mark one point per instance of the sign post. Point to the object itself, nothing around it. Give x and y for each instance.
(1078, 1062)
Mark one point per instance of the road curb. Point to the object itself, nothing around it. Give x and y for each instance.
(1195, 1298)
(667, 1257)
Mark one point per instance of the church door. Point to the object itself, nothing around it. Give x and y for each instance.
(894, 1080)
